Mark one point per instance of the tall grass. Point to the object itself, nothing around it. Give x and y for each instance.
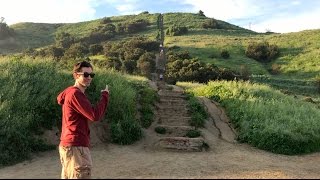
(265, 117)
(28, 104)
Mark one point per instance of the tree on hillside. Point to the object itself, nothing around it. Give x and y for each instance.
(201, 13)
(64, 40)
(5, 30)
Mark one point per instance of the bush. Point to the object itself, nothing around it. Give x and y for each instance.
(225, 54)
(199, 114)
(5, 31)
(193, 133)
(95, 49)
(147, 99)
(176, 30)
(125, 132)
(262, 52)
(318, 83)
(105, 20)
(210, 24)
(28, 106)
(160, 130)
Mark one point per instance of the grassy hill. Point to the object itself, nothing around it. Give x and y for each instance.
(299, 52)
(297, 65)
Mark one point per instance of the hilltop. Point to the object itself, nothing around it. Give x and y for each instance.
(204, 40)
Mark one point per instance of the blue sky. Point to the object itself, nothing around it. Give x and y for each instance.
(281, 16)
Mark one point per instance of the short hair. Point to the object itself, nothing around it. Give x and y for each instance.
(77, 67)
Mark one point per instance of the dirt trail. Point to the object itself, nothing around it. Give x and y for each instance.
(224, 159)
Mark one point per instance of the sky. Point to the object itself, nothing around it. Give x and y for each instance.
(282, 16)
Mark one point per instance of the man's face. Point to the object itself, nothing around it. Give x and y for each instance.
(81, 76)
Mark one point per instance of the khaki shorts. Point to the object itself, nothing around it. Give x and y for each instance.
(76, 162)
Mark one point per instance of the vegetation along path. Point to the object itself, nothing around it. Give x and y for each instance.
(148, 158)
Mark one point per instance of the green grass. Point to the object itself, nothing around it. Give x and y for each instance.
(265, 117)
(28, 104)
(299, 52)
(198, 114)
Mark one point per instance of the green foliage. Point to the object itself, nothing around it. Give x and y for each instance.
(147, 98)
(198, 113)
(211, 24)
(105, 20)
(290, 85)
(160, 130)
(201, 13)
(318, 84)
(55, 52)
(146, 64)
(180, 67)
(26, 106)
(193, 133)
(64, 40)
(176, 30)
(225, 54)
(95, 49)
(125, 132)
(31, 86)
(266, 118)
(77, 50)
(133, 26)
(5, 31)
(262, 52)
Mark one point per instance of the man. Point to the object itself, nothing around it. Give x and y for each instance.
(77, 111)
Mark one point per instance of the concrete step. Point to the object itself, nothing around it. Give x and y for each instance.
(173, 114)
(172, 107)
(173, 122)
(181, 143)
(176, 131)
(175, 101)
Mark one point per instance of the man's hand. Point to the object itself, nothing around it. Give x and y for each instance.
(106, 89)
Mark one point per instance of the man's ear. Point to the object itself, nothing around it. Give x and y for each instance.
(75, 75)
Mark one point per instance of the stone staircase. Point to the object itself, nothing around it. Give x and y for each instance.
(173, 116)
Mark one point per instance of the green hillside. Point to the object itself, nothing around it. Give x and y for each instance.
(298, 59)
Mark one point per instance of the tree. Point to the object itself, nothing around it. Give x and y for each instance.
(146, 64)
(201, 13)
(5, 30)
(64, 40)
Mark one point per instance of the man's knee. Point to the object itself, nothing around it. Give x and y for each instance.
(83, 172)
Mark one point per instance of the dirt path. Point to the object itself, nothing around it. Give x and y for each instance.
(224, 159)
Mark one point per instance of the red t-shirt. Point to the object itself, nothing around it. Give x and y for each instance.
(76, 111)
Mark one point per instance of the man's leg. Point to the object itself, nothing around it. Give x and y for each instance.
(76, 162)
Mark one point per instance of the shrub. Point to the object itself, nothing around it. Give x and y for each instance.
(318, 83)
(176, 30)
(95, 49)
(199, 114)
(262, 52)
(105, 20)
(5, 31)
(193, 133)
(126, 131)
(225, 54)
(147, 99)
(160, 130)
(275, 69)
(77, 50)
(210, 24)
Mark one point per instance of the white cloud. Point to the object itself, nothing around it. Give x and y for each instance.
(226, 9)
(48, 11)
(277, 16)
(291, 23)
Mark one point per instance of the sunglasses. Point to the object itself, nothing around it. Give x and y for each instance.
(85, 74)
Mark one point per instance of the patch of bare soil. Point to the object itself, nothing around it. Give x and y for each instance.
(224, 159)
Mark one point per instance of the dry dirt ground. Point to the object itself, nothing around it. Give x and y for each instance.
(224, 159)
